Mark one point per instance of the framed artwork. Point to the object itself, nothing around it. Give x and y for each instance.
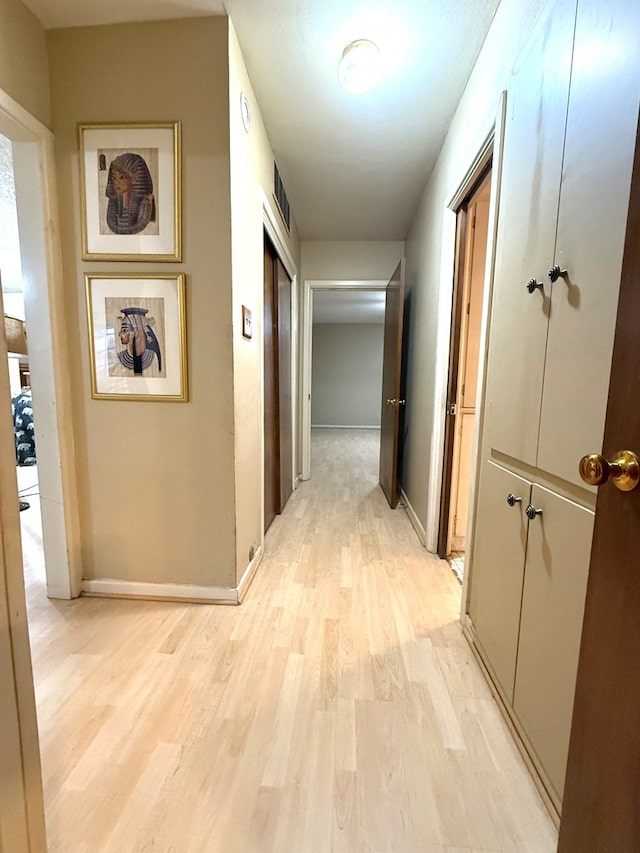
(137, 336)
(130, 191)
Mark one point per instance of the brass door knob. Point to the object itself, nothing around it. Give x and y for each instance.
(391, 402)
(623, 470)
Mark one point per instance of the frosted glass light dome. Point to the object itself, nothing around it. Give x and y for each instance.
(360, 67)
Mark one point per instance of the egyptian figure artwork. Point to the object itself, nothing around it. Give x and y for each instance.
(139, 342)
(131, 206)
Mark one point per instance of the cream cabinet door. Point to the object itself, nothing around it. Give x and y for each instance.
(497, 570)
(534, 137)
(600, 141)
(556, 570)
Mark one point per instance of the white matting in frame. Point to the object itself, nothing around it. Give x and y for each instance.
(137, 336)
(130, 191)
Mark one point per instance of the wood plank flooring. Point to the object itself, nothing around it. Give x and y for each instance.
(338, 710)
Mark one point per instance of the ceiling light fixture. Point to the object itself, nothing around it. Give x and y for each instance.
(360, 67)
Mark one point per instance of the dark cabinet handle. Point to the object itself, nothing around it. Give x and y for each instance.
(533, 284)
(555, 273)
(532, 512)
(512, 500)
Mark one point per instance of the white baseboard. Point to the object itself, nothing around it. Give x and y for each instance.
(249, 574)
(344, 426)
(413, 518)
(112, 588)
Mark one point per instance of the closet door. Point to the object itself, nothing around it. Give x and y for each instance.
(283, 285)
(497, 570)
(271, 394)
(553, 599)
(534, 139)
(600, 141)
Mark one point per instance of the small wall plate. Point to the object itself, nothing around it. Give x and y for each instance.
(245, 111)
(247, 326)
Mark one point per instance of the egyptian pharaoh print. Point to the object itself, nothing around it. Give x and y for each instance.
(131, 200)
(137, 337)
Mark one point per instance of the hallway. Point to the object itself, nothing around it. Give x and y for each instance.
(338, 709)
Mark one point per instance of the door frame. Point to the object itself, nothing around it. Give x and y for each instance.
(36, 201)
(272, 226)
(309, 286)
(465, 241)
(491, 145)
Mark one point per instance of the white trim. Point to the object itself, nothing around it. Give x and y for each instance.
(307, 326)
(490, 140)
(30, 126)
(273, 226)
(249, 574)
(36, 201)
(345, 426)
(413, 517)
(111, 588)
(483, 347)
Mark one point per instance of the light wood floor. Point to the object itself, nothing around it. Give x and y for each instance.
(338, 709)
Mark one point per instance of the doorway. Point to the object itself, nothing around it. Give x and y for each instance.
(335, 316)
(472, 231)
(40, 569)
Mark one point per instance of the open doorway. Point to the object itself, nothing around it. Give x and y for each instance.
(19, 374)
(472, 228)
(343, 340)
(32, 277)
(346, 368)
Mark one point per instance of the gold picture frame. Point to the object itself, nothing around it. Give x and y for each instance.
(137, 336)
(130, 186)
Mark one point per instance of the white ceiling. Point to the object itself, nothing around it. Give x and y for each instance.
(348, 306)
(354, 166)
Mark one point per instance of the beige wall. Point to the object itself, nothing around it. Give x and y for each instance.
(346, 382)
(357, 261)
(23, 60)
(477, 110)
(251, 184)
(156, 480)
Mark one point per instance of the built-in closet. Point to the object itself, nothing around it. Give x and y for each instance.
(572, 111)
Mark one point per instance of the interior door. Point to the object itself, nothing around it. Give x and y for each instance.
(462, 248)
(472, 224)
(22, 828)
(391, 374)
(600, 809)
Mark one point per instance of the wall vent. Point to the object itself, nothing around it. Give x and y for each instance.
(281, 197)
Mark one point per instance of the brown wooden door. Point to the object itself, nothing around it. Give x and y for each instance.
(278, 430)
(470, 254)
(271, 403)
(601, 806)
(391, 372)
(452, 383)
